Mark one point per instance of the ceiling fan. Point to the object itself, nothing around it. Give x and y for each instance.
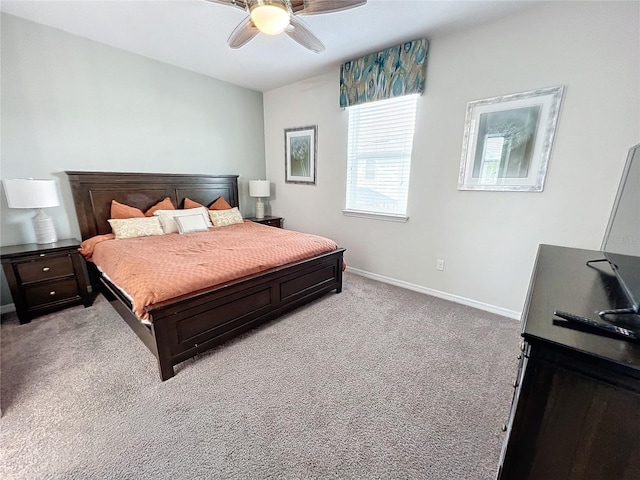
(276, 16)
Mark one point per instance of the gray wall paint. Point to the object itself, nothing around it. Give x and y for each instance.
(487, 239)
(73, 104)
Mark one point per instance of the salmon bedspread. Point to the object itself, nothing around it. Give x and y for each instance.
(157, 268)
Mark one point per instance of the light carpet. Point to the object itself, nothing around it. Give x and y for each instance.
(377, 382)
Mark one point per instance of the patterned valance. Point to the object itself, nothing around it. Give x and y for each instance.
(390, 73)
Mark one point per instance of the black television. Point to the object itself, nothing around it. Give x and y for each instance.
(621, 243)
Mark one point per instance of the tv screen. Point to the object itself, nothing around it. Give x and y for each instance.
(621, 244)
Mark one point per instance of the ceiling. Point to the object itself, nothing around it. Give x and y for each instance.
(192, 34)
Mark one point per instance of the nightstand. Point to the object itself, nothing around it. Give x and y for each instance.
(48, 277)
(268, 220)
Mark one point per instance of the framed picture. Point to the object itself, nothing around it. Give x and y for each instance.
(301, 148)
(507, 141)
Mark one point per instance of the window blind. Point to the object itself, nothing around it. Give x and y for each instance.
(379, 156)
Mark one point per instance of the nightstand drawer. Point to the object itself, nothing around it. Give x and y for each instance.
(269, 220)
(273, 223)
(46, 293)
(45, 269)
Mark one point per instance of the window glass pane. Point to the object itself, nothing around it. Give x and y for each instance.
(379, 155)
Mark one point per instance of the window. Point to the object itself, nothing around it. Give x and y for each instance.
(379, 157)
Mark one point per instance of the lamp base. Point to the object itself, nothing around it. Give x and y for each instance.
(43, 226)
(259, 208)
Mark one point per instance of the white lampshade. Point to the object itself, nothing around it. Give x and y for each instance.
(31, 193)
(259, 188)
(36, 194)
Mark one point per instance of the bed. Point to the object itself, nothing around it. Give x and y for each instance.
(182, 327)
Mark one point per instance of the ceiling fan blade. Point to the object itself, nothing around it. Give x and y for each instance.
(242, 4)
(301, 34)
(243, 33)
(312, 7)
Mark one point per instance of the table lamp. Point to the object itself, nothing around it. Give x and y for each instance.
(36, 194)
(259, 189)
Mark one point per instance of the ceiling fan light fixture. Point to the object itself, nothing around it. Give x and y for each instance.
(270, 17)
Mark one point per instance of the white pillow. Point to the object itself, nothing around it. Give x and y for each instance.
(220, 218)
(191, 223)
(135, 227)
(167, 217)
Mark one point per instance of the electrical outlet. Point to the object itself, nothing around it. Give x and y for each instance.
(440, 265)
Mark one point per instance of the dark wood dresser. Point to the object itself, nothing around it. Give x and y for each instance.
(44, 278)
(576, 404)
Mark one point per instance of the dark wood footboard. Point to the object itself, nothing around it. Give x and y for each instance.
(185, 327)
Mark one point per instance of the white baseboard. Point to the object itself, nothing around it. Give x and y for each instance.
(8, 308)
(437, 293)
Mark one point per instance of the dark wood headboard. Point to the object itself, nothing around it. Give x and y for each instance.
(93, 192)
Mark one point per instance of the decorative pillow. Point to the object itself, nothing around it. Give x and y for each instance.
(165, 204)
(221, 218)
(135, 227)
(191, 223)
(188, 203)
(167, 217)
(220, 204)
(120, 210)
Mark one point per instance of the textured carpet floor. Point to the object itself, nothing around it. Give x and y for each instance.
(376, 382)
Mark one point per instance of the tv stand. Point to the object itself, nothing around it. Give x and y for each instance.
(576, 405)
(589, 262)
(617, 311)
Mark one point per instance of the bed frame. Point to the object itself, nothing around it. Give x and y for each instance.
(187, 325)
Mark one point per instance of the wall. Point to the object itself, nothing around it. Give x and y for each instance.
(487, 239)
(73, 104)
